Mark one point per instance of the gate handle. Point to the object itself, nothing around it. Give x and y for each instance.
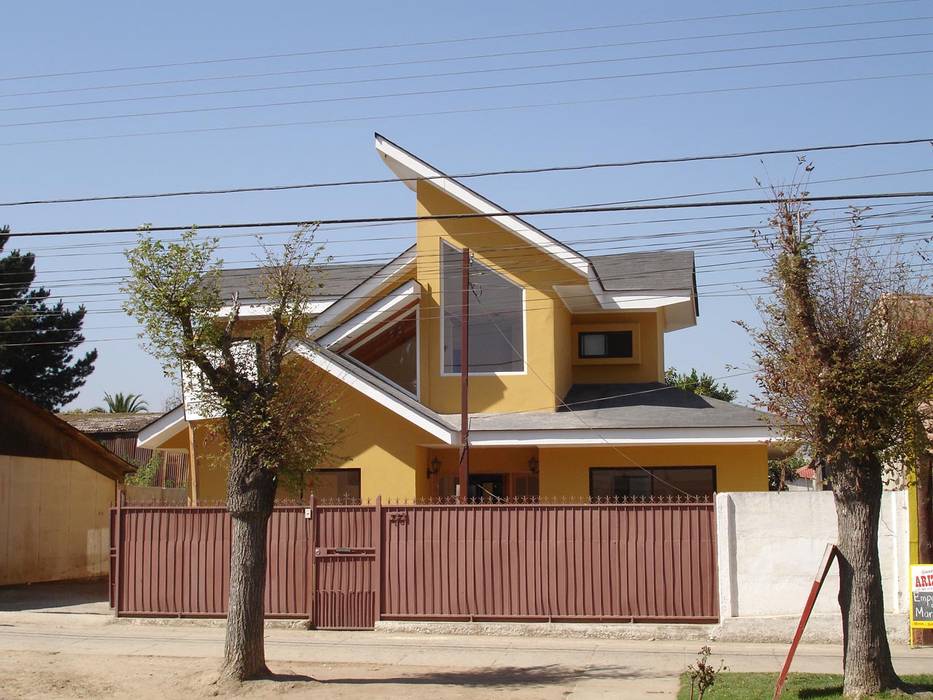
(319, 551)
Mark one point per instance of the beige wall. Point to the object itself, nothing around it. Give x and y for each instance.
(54, 520)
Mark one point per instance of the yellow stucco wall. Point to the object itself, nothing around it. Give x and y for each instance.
(514, 259)
(564, 471)
(650, 353)
(54, 520)
(383, 445)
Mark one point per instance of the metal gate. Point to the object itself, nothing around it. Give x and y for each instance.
(345, 567)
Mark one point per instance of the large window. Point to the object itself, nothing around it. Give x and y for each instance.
(393, 353)
(496, 333)
(335, 483)
(656, 481)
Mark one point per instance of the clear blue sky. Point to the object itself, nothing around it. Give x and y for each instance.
(41, 38)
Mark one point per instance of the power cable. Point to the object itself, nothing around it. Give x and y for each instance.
(461, 90)
(448, 41)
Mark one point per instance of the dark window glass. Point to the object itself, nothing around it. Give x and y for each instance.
(392, 352)
(335, 483)
(606, 344)
(496, 329)
(657, 481)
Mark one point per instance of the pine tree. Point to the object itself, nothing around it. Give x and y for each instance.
(38, 339)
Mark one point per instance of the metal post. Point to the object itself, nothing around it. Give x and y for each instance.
(312, 552)
(464, 472)
(117, 562)
(379, 546)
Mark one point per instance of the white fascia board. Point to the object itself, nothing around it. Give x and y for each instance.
(409, 168)
(359, 296)
(446, 435)
(628, 436)
(396, 300)
(162, 429)
(265, 310)
(644, 302)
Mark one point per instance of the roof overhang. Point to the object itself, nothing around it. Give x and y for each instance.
(265, 310)
(399, 300)
(157, 433)
(410, 169)
(378, 390)
(679, 305)
(358, 297)
(752, 435)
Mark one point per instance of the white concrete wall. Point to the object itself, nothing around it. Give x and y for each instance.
(771, 544)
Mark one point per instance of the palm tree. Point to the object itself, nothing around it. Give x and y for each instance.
(123, 403)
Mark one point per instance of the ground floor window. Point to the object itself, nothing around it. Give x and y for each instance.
(624, 482)
(335, 483)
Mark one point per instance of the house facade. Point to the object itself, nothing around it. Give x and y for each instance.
(566, 359)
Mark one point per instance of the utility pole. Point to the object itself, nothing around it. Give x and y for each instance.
(464, 473)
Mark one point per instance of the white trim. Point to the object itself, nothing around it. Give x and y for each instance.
(391, 303)
(407, 166)
(265, 310)
(360, 295)
(346, 353)
(162, 429)
(443, 364)
(447, 435)
(595, 437)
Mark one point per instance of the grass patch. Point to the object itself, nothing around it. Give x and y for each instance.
(799, 686)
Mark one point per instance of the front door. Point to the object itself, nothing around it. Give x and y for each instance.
(488, 487)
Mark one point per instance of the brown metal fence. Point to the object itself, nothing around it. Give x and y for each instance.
(348, 566)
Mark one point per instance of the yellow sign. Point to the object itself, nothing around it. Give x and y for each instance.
(921, 596)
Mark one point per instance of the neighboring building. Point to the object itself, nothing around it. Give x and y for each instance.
(118, 431)
(56, 490)
(567, 368)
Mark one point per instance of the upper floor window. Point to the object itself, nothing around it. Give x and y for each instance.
(496, 323)
(608, 344)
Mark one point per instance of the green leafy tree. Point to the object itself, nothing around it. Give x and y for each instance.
(123, 403)
(271, 415)
(846, 366)
(146, 473)
(702, 384)
(37, 338)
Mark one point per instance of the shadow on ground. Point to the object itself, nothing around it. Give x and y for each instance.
(51, 596)
(500, 676)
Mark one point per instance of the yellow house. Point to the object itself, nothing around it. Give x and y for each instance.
(566, 359)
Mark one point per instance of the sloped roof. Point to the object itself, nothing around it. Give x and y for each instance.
(337, 281)
(662, 270)
(108, 423)
(31, 431)
(628, 406)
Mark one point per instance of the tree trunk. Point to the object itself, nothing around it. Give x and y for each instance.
(866, 654)
(250, 497)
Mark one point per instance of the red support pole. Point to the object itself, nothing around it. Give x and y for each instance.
(464, 472)
(821, 573)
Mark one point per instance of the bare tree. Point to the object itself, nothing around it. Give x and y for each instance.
(272, 409)
(843, 362)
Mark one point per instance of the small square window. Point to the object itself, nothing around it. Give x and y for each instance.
(607, 344)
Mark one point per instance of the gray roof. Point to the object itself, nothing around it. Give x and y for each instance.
(97, 423)
(337, 281)
(645, 271)
(620, 406)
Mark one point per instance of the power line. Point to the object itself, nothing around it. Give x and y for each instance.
(477, 215)
(466, 110)
(460, 90)
(454, 40)
(512, 171)
(472, 57)
(476, 71)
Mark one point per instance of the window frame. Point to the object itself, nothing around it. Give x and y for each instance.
(441, 306)
(578, 330)
(580, 342)
(709, 467)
